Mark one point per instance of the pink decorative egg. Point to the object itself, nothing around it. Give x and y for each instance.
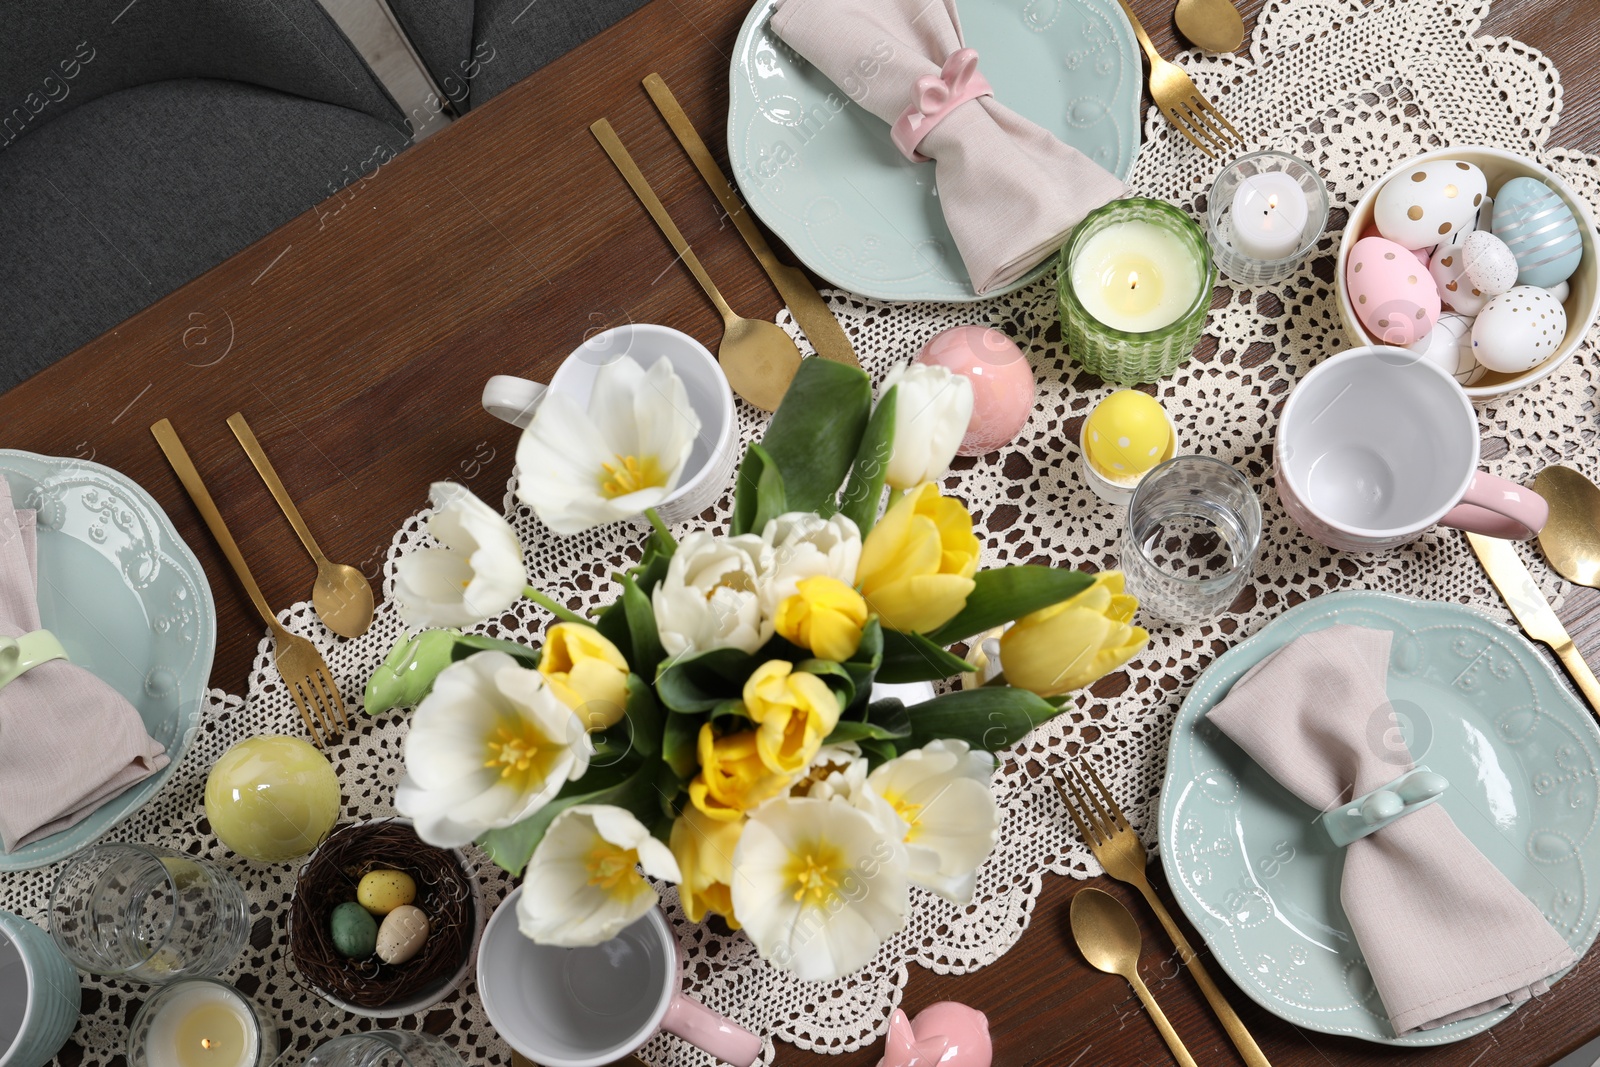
(1002, 383)
(1424, 255)
(1393, 294)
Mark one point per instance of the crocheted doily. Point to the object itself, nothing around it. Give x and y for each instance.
(1352, 87)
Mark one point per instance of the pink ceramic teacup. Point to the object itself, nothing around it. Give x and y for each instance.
(583, 1007)
(1376, 445)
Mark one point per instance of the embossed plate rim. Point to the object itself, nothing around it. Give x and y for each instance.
(1209, 687)
(35, 468)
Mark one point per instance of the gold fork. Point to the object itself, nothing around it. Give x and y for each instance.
(1178, 99)
(1121, 853)
(303, 669)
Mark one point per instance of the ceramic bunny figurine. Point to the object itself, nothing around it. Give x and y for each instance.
(946, 1034)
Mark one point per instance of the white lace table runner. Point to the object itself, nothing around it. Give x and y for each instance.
(1355, 89)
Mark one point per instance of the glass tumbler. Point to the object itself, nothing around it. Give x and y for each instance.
(1189, 549)
(384, 1048)
(148, 914)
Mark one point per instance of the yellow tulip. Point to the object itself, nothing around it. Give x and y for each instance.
(732, 778)
(917, 563)
(587, 673)
(825, 615)
(703, 847)
(1068, 645)
(793, 712)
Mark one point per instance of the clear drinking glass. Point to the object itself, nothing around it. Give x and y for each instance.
(147, 913)
(1194, 525)
(384, 1048)
(1240, 264)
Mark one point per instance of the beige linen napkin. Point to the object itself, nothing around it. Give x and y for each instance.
(68, 741)
(1444, 933)
(1010, 190)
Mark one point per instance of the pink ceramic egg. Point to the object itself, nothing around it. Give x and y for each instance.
(1393, 294)
(1424, 255)
(1002, 383)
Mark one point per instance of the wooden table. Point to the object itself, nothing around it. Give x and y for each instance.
(357, 338)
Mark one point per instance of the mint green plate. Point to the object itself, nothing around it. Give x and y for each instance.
(822, 173)
(129, 602)
(1260, 879)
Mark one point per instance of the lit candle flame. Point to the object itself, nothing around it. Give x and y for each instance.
(1133, 279)
(205, 1042)
(1272, 204)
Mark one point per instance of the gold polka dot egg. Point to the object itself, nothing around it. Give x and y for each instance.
(1424, 204)
(1126, 434)
(1518, 330)
(1393, 294)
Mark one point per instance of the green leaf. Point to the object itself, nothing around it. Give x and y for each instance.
(702, 681)
(757, 486)
(877, 751)
(645, 653)
(815, 434)
(679, 740)
(512, 847)
(993, 718)
(643, 717)
(1009, 593)
(915, 658)
(652, 566)
(734, 708)
(612, 624)
(471, 644)
(887, 720)
(864, 490)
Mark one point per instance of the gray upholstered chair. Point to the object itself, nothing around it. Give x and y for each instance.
(143, 142)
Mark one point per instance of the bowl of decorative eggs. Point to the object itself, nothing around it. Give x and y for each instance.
(1477, 259)
(383, 924)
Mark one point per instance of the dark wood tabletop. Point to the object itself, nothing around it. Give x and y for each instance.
(357, 338)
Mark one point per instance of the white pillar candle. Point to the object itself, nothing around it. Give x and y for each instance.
(1269, 215)
(203, 1024)
(1136, 277)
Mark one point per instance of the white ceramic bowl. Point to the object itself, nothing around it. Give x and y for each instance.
(1499, 166)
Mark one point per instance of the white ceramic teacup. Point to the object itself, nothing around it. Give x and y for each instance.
(1375, 445)
(38, 995)
(583, 1007)
(710, 466)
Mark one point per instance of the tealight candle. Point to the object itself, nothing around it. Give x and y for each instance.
(199, 1023)
(1264, 215)
(1269, 213)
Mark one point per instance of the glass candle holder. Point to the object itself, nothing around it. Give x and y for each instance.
(147, 913)
(1134, 284)
(201, 1023)
(384, 1048)
(1264, 215)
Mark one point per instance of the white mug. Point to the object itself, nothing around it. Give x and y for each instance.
(1377, 444)
(583, 1007)
(709, 469)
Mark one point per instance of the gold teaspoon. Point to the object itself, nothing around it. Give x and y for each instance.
(1212, 25)
(1109, 939)
(1571, 539)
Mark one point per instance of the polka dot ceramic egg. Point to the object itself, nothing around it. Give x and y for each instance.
(1490, 266)
(1126, 434)
(1519, 330)
(1449, 344)
(1424, 204)
(1391, 292)
(1540, 229)
(1455, 289)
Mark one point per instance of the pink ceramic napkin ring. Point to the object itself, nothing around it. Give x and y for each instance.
(934, 97)
(18, 655)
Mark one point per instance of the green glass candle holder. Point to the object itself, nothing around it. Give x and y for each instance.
(1129, 357)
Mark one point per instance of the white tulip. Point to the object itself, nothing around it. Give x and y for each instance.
(583, 885)
(941, 794)
(711, 595)
(931, 413)
(625, 454)
(805, 545)
(488, 747)
(820, 887)
(478, 573)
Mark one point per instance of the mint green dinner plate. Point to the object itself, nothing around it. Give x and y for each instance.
(1260, 879)
(129, 602)
(822, 173)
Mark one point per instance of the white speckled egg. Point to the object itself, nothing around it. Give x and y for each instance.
(1519, 330)
(1391, 292)
(1449, 272)
(1491, 268)
(1425, 203)
(1449, 344)
(1540, 229)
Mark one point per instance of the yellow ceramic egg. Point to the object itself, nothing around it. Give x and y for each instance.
(380, 892)
(271, 799)
(1126, 434)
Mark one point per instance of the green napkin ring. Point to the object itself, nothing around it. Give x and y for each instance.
(21, 654)
(1368, 814)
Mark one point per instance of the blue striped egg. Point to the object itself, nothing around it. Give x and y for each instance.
(1541, 231)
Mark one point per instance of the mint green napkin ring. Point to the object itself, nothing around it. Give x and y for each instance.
(19, 655)
(1364, 815)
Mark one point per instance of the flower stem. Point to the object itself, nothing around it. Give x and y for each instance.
(549, 604)
(661, 527)
(998, 679)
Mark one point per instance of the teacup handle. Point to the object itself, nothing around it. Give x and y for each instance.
(1495, 507)
(505, 396)
(710, 1032)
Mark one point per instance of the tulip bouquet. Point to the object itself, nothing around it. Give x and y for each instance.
(724, 724)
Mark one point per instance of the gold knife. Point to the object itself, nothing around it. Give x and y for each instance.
(805, 304)
(1510, 575)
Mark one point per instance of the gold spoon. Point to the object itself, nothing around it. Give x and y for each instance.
(1212, 25)
(758, 358)
(342, 596)
(1109, 940)
(1571, 539)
